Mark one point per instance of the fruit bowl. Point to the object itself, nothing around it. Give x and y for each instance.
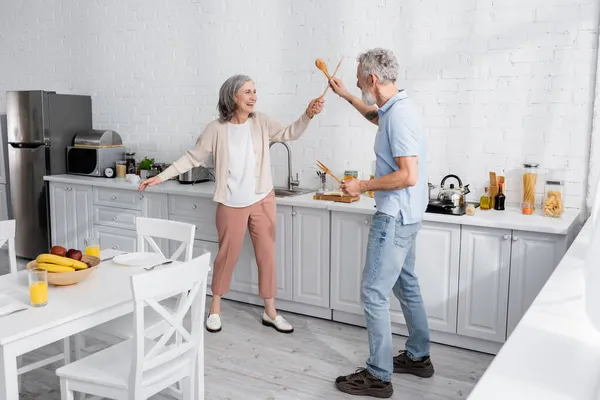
(70, 278)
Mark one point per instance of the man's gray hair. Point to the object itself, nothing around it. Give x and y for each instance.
(229, 88)
(380, 62)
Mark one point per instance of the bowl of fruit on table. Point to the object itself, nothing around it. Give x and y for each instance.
(65, 267)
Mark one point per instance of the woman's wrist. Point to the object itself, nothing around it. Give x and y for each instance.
(308, 114)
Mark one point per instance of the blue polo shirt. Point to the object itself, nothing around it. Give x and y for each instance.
(400, 134)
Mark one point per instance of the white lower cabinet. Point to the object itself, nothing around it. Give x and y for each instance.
(484, 278)
(310, 256)
(436, 266)
(534, 257)
(72, 217)
(245, 275)
(349, 236)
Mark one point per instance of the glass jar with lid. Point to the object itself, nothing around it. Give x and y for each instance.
(530, 175)
(350, 174)
(130, 163)
(554, 196)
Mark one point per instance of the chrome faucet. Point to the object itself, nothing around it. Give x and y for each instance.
(291, 181)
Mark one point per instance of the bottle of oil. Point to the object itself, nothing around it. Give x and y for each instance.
(500, 198)
(485, 202)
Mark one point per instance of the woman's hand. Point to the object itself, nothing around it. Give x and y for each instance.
(155, 180)
(315, 107)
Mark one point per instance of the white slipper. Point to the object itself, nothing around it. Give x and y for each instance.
(213, 323)
(279, 323)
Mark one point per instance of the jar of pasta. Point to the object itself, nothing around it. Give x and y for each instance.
(554, 198)
(530, 175)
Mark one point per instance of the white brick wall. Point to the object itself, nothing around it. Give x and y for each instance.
(498, 82)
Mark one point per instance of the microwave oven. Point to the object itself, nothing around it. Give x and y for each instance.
(93, 161)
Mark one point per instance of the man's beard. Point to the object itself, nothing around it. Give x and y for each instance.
(368, 98)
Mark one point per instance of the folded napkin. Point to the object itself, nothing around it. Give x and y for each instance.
(8, 305)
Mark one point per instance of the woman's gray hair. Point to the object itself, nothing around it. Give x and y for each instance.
(380, 62)
(229, 88)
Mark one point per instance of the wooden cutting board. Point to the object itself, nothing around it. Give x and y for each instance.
(337, 198)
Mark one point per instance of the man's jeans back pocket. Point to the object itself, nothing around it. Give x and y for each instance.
(405, 234)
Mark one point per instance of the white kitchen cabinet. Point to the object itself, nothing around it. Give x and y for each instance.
(72, 217)
(310, 255)
(116, 238)
(156, 205)
(484, 279)
(245, 276)
(436, 266)
(349, 236)
(534, 257)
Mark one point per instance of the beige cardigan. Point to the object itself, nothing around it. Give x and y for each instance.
(214, 141)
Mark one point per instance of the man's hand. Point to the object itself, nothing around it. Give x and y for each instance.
(315, 107)
(354, 187)
(338, 88)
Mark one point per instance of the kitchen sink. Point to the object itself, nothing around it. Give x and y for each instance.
(283, 192)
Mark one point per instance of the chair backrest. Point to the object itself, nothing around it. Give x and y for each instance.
(149, 228)
(188, 281)
(7, 234)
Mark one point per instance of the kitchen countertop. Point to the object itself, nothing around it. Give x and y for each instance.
(511, 218)
(554, 352)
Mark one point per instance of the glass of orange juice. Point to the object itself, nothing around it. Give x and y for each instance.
(92, 247)
(38, 287)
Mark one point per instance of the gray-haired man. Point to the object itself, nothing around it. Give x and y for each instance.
(401, 197)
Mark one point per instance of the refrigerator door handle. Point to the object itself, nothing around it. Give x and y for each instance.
(26, 145)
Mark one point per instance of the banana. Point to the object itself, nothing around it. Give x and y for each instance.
(79, 265)
(60, 261)
(54, 267)
(54, 259)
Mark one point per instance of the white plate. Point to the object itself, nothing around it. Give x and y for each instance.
(139, 259)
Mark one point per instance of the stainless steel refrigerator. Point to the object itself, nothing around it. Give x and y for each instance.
(40, 126)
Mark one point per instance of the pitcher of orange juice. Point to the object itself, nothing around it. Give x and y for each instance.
(92, 247)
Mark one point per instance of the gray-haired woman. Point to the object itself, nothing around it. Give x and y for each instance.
(239, 143)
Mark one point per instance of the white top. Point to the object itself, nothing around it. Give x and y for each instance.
(241, 182)
(554, 353)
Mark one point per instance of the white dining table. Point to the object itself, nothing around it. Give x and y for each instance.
(102, 296)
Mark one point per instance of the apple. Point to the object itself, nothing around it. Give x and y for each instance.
(74, 254)
(59, 251)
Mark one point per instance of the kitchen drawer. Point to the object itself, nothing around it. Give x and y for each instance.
(116, 217)
(116, 239)
(206, 228)
(192, 207)
(129, 199)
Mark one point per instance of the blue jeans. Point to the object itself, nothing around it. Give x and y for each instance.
(390, 266)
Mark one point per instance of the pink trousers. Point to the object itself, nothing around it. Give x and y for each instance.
(232, 223)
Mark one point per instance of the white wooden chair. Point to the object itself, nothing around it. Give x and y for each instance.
(120, 329)
(7, 234)
(140, 367)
